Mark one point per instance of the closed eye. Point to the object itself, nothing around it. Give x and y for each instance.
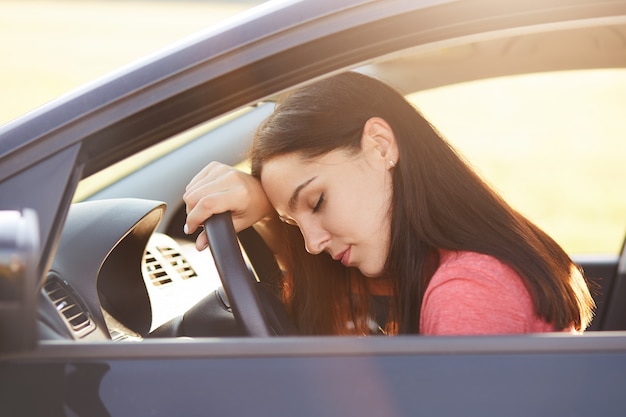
(319, 203)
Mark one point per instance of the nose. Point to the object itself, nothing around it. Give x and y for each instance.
(316, 238)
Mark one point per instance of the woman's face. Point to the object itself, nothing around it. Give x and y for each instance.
(340, 201)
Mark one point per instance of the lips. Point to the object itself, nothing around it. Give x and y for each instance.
(343, 257)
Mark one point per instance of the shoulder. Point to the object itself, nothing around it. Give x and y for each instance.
(474, 293)
(482, 275)
(453, 263)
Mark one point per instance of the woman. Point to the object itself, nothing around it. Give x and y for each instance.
(394, 232)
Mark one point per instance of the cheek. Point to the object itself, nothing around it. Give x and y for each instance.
(355, 215)
(370, 207)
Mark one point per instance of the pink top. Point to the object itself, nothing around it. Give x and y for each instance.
(472, 293)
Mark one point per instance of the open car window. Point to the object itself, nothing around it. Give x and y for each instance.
(552, 144)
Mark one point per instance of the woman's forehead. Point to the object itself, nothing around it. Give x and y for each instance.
(278, 166)
(281, 166)
(283, 178)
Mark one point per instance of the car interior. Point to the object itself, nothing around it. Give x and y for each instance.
(124, 271)
(140, 277)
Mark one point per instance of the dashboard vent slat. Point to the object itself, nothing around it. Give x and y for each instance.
(178, 262)
(164, 264)
(157, 274)
(69, 307)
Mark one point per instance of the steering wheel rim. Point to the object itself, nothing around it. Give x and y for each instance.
(245, 294)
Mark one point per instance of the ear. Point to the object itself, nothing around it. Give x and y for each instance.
(379, 138)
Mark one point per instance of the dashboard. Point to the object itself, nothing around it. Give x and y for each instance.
(114, 278)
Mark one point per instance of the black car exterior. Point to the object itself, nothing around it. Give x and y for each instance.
(45, 154)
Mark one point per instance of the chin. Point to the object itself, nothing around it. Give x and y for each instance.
(373, 265)
(371, 272)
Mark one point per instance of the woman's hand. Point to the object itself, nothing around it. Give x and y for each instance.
(219, 188)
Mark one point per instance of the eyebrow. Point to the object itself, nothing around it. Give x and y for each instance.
(293, 201)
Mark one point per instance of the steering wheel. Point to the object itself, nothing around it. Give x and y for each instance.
(256, 309)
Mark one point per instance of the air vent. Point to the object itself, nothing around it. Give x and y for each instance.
(162, 263)
(69, 307)
(178, 262)
(157, 274)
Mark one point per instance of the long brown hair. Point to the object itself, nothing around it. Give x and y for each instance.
(438, 203)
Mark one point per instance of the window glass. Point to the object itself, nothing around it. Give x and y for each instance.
(552, 144)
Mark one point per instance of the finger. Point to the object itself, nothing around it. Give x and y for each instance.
(220, 179)
(227, 182)
(202, 242)
(201, 174)
(204, 188)
(206, 207)
(207, 174)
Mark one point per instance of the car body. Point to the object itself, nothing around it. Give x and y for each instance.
(200, 101)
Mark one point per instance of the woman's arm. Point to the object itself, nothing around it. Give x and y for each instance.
(219, 188)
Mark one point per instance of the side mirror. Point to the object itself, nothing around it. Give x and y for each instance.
(19, 250)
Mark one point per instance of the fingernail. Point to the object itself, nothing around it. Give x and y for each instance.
(186, 229)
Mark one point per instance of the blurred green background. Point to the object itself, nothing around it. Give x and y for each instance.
(554, 145)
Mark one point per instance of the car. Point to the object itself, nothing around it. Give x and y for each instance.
(106, 309)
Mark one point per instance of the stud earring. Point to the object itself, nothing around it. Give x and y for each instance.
(391, 164)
